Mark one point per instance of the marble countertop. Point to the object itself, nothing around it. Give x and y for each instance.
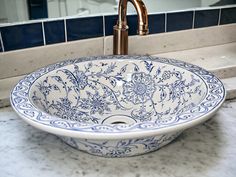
(207, 150)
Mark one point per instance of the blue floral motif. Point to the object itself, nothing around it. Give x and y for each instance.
(122, 148)
(82, 79)
(140, 88)
(68, 113)
(78, 78)
(65, 110)
(142, 115)
(44, 89)
(166, 75)
(118, 151)
(178, 89)
(95, 103)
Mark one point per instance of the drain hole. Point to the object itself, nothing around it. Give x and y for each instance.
(118, 122)
(119, 119)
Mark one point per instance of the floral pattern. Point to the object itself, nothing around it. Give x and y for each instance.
(89, 94)
(156, 94)
(95, 103)
(140, 88)
(65, 110)
(92, 91)
(82, 79)
(121, 148)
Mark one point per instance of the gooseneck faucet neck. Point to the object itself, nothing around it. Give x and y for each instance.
(120, 43)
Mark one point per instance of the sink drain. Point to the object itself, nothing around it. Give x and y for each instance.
(118, 119)
(118, 122)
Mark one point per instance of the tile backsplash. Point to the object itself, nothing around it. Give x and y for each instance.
(157, 23)
(179, 21)
(54, 31)
(46, 32)
(206, 18)
(22, 36)
(84, 28)
(228, 16)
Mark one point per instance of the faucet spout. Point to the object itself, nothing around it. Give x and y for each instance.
(120, 39)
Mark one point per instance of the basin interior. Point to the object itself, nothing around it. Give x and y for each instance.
(118, 91)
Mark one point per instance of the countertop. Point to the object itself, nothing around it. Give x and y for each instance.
(207, 150)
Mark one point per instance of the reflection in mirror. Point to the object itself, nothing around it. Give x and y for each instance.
(24, 10)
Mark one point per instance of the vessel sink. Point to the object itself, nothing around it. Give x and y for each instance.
(118, 106)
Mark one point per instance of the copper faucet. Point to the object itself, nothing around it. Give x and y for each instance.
(120, 41)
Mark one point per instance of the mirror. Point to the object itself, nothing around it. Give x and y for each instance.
(24, 10)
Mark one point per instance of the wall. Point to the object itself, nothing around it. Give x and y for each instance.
(208, 2)
(61, 8)
(13, 10)
(16, 10)
(3, 15)
(168, 5)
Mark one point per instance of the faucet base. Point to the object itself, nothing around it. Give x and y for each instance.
(120, 40)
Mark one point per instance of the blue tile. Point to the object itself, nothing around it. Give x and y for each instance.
(54, 32)
(228, 15)
(84, 28)
(110, 21)
(22, 36)
(132, 21)
(156, 23)
(179, 21)
(205, 18)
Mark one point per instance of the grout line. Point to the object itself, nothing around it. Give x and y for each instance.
(44, 40)
(104, 46)
(219, 17)
(104, 34)
(65, 30)
(104, 28)
(193, 24)
(1, 42)
(165, 22)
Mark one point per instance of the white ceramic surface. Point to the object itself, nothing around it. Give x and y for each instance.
(117, 106)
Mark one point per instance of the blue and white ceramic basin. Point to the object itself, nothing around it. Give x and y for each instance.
(117, 106)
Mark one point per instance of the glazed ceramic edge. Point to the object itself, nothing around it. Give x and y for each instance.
(86, 131)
